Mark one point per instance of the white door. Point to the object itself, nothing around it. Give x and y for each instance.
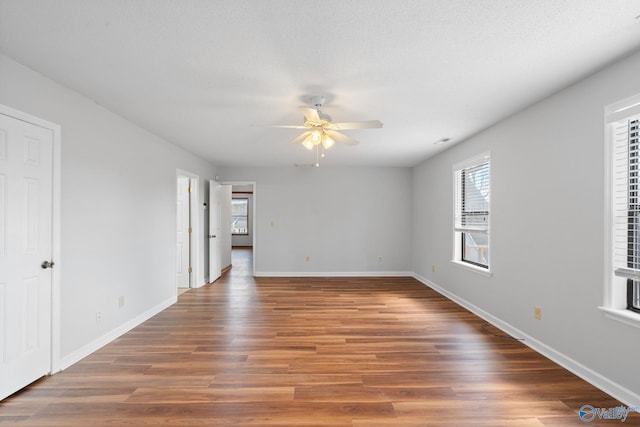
(215, 250)
(183, 233)
(26, 155)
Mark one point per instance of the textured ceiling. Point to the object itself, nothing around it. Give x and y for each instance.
(210, 75)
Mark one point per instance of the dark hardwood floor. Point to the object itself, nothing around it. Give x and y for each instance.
(310, 352)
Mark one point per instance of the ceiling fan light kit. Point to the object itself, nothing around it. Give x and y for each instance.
(316, 138)
(320, 133)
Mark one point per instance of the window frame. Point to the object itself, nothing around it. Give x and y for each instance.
(618, 286)
(235, 216)
(463, 255)
(633, 295)
(459, 256)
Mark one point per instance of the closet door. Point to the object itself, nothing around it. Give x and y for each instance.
(26, 181)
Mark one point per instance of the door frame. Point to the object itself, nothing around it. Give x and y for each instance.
(254, 219)
(194, 220)
(215, 258)
(185, 206)
(55, 227)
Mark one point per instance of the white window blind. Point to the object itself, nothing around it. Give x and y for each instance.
(472, 197)
(626, 200)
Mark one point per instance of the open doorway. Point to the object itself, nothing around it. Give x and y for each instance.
(243, 230)
(187, 226)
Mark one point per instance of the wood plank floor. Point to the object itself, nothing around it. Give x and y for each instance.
(310, 352)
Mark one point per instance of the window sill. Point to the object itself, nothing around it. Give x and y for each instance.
(624, 316)
(471, 267)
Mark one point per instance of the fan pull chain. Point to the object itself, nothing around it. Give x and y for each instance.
(317, 156)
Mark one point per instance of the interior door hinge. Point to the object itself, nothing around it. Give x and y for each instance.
(190, 190)
(190, 230)
(190, 270)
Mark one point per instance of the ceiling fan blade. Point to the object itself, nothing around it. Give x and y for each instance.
(311, 115)
(340, 137)
(301, 137)
(368, 124)
(288, 127)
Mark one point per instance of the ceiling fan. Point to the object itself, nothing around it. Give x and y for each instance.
(321, 133)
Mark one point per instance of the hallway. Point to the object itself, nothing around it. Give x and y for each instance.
(241, 267)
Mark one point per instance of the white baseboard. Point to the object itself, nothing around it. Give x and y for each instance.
(108, 337)
(334, 274)
(619, 392)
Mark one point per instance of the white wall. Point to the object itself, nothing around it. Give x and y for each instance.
(342, 218)
(118, 210)
(547, 228)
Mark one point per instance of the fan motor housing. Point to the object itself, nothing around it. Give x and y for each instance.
(317, 101)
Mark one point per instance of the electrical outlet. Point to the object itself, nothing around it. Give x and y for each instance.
(98, 316)
(308, 258)
(121, 301)
(433, 268)
(537, 312)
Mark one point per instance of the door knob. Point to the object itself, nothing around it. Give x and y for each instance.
(47, 264)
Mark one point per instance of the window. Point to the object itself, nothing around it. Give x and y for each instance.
(624, 137)
(472, 208)
(633, 213)
(240, 216)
